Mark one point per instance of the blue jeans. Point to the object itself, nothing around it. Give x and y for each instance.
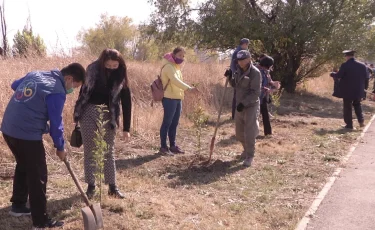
(172, 112)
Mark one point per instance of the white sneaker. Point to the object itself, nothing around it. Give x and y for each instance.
(248, 161)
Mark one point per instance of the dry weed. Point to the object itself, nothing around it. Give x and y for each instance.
(164, 192)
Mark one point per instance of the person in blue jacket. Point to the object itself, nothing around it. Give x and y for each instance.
(244, 45)
(38, 97)
(268, 85)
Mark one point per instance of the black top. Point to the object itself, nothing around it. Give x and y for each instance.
(352, 76)
(101, 95)
(101, 92)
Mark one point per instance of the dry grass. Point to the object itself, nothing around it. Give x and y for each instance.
(165, 193)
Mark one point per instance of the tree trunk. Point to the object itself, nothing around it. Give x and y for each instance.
(286, 71)
(3, 31)
(289, 82)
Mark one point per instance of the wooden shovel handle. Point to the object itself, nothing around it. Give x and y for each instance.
(218, 120)
(83, 194)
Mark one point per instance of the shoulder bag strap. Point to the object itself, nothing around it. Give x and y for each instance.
(168, 79)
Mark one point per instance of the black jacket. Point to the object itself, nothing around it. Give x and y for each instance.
(351, 80)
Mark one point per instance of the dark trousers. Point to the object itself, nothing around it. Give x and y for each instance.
(348, 111)
(265, 117)
(30, 177)
(234, 107)
(172, 113)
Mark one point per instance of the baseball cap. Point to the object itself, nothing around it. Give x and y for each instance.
(244, 40)
(243, 54)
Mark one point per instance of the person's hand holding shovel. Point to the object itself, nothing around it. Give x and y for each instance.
(276, 85)
(61, 154)
(194, 89)
(266, 90)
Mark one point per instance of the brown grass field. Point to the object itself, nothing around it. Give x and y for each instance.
(163, 192)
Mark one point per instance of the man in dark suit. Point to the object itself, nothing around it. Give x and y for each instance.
(352, 77)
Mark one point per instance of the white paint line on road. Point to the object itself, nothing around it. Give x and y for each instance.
(302, 225)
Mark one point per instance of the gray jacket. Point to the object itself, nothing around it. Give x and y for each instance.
(248, 85)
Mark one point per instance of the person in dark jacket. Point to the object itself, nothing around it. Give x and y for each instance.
(38, 97)
(265, 64)
(367, 81)
(351, 76)
(106, 84)
(244, 45)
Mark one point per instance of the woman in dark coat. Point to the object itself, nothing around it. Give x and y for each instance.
(106, 84)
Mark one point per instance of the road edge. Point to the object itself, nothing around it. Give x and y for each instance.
(302, 224)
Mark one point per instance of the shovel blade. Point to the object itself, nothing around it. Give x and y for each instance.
(89, 222)
(97, 211)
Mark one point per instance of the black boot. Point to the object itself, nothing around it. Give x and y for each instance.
(90, 191)
(115, 192)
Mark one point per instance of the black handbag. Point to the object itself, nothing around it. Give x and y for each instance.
(76, 138)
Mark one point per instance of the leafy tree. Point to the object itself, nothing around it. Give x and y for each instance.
(111, 32)
(368, 47)
(301, 35)
(151, 48)
(147, 47)
(27, 44)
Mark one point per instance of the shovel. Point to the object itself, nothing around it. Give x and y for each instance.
(92, 214)
(217, 122)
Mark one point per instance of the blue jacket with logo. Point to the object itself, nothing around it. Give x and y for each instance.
(233, 63)
(38, 97)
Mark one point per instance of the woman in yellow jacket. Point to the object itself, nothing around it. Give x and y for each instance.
(174, 86)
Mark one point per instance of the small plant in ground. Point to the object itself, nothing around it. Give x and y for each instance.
(280, 161)
(199, 118)
(275, 97)
(330, 158)
(304, 85)
(101, 147)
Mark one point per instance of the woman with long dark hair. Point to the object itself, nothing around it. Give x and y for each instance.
(106, 84)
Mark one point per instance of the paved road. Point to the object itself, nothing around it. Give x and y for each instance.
(350, 203)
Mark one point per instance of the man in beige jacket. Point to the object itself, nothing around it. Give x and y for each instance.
(247, 82)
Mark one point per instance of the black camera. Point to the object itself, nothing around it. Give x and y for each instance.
(228, 73)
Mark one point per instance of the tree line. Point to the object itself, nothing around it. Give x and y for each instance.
(302, 36)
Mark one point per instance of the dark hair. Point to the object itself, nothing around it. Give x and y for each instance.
(262, 56)
(114, 55)
(75, 70)
(178, 49)
(266, 61)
